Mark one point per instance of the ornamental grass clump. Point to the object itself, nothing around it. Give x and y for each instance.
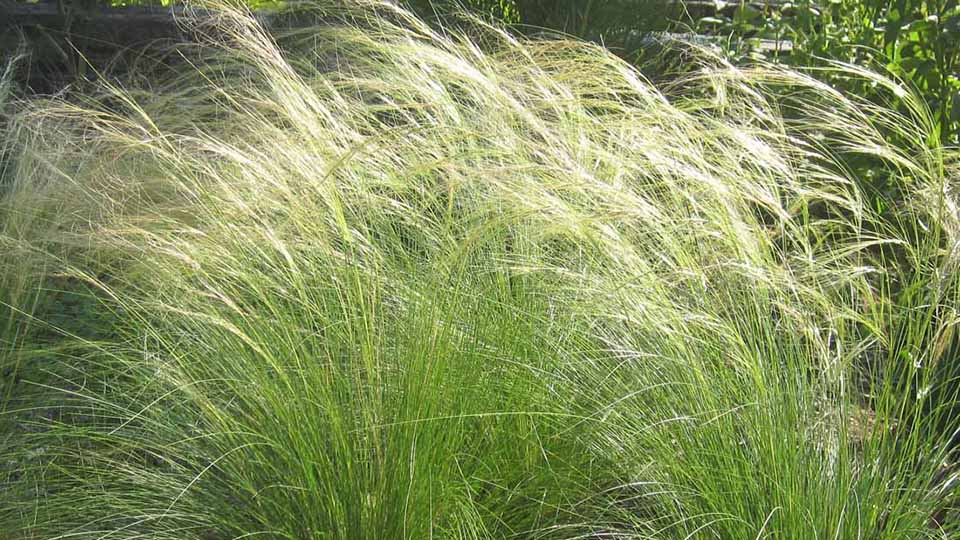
(367, 279)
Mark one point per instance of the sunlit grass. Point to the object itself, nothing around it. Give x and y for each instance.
(365, 280)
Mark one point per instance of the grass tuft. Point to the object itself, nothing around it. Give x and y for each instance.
(367, 279)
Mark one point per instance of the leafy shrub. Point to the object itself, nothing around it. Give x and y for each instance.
(918, 40)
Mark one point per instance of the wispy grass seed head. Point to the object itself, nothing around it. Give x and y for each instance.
(374, 280)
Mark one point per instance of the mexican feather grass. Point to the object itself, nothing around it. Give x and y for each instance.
(371, 280)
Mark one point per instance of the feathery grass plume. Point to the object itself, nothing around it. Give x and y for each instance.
(370, 280)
